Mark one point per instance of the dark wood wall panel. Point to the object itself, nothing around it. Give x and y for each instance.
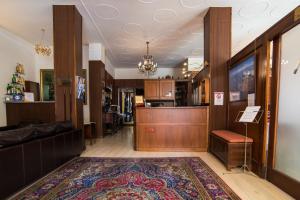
(126, 83)
(255, 131)
(217, 52)
(129, 83)
(67, 34)
(97, 83)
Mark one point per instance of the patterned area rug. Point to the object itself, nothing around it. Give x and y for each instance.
(131, 178)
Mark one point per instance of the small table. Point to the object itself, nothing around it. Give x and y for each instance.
(90, 132)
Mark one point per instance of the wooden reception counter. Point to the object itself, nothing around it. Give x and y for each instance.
(171, 129)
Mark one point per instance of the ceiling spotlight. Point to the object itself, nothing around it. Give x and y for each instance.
(185, 64)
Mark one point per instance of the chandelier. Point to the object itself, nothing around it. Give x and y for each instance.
(147, 65)
(42, 49)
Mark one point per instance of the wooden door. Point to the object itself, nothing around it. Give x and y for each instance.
(167, 89)
(151, 89)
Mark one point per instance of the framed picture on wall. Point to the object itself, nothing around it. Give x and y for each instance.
(242, 79)
(80, 84)
(84, 76)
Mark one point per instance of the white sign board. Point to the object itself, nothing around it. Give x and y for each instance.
(28, 97)
(249, 114)
(251, 99)
(219, 98)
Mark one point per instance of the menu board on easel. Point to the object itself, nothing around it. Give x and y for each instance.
(249, 114)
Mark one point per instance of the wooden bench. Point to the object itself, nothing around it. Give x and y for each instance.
(229, 147)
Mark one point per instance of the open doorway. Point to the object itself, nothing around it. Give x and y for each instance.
(126, 103)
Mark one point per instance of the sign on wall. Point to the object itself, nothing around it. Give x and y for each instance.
(218, 98)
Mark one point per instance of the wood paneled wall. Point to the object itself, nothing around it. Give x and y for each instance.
(67, 36)
(97, 84)
(217, 51)
(255, 131)
(261, 48)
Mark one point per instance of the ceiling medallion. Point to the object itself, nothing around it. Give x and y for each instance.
(41, 48)
(147, 65)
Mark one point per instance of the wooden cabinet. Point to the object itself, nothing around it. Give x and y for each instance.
(151, 89)
(159, 89)
(29, 112)
(167, 89)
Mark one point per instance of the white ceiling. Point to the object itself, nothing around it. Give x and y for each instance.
(173, 27)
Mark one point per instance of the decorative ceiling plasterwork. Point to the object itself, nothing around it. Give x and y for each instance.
(173, 27)
(165, 15)
(193, 4)
(106, 11)
(254, 9)
(147, 1)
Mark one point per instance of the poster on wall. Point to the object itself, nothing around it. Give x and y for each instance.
(80, 87)
(242, 80)
(219, 98)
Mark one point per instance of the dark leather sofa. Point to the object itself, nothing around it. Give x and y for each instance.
(30, 152)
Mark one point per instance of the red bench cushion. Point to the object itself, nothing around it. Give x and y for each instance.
(231, 137)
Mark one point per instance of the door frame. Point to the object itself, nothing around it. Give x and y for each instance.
(276, 177)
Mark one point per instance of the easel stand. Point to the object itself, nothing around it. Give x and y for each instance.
(257, 119)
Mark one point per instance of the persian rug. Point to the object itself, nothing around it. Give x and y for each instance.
(131, 178)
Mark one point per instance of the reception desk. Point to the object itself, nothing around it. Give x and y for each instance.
(171, 129)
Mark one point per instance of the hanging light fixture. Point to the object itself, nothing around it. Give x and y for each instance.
(41, 48)
(147, 65)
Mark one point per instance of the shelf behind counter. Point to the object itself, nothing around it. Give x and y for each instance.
(171, 128)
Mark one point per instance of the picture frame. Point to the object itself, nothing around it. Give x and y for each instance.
(242, 79)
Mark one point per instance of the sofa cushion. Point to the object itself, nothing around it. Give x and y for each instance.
(231, 137)
(52, 128)
(43, 130)
(64, 126)
(16, 136)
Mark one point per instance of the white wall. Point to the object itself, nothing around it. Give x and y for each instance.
(47, 62)
(109, 67)
(13, 50)
(133, 73)
(43, 62)
(85, 65)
